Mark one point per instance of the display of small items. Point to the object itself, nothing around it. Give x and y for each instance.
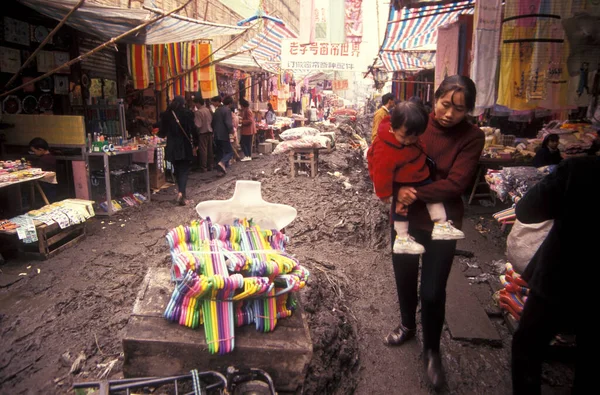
(502, 146)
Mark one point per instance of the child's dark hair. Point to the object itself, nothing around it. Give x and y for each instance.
(458, 83)
(39, 143)
(552, 137)
(412, 116)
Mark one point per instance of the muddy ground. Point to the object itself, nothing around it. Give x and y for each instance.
(77, 306)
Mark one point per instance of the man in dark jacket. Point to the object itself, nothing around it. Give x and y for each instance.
(222, 126)
(556, 274)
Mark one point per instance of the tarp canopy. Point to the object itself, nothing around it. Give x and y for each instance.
(411, 34)
(266, 46)
(109, 22)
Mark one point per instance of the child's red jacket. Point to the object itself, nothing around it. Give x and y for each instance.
(389, 161)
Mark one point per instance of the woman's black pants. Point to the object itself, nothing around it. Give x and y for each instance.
(182, 170)
(436, 264)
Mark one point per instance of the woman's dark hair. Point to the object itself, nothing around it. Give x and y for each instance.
(412, 116)
(244, 103)
(39, 143)
(458, 83)
(177, 103)
(551, 137)
(227, 101)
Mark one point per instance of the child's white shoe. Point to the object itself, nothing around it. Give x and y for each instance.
(407, 245)
(446, 231)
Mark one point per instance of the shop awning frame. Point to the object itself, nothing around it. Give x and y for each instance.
(411, 34)
(107, 22)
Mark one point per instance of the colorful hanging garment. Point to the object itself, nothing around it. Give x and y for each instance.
(446, 57)
(175, 61)
(207, 75)
(190, 59)
(137, 60)
(159, 64)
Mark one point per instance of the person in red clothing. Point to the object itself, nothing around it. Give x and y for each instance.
(455, 146)
(397, 156)
(248, 130)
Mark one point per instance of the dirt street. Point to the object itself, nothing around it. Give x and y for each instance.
(78, 304)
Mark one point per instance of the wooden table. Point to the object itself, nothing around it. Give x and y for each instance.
(34, 182)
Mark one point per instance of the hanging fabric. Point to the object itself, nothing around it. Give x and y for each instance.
(159, 63)
(207, 75)
(137, 60)
(190, 59)
(485, 52)
(175, 57)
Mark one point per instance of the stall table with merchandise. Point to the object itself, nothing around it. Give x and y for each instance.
(108, 197)
(44, 232)
(30, 176)
(482, 167)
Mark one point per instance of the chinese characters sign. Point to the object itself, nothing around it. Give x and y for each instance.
(339, 85)
(319, 56)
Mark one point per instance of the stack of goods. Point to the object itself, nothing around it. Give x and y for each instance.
(65, 213)
(302, 137)
(502, 146)
(575, 138)
(134, 199)
(514, 295)
(16, 171)
(513, 182)
(228, 276)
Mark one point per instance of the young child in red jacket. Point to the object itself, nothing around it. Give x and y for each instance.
(396, 158)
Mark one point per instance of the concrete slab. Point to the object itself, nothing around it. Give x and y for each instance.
(155, 347)
(466, 318)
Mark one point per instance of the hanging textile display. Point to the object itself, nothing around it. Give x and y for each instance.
(446, 63)
(190, 59)
(485, 52)
(175, 61)
(207, 75)
(533, 56)
(137, 60)
(159, 64)
(229, 276)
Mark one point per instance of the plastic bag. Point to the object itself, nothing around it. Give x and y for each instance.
(305, 142)
(523, 242)
(298, 133)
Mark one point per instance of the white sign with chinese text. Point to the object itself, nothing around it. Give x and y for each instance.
(320, 56)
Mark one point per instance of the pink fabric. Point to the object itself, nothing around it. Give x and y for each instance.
(446, 62)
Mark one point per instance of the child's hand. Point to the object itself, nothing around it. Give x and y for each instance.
(401, 209)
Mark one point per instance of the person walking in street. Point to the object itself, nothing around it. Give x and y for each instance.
(177, 125)
(203, 120)
(454, 145)
(248, 130)
(222, 126)
(387, 103)
(560, 273)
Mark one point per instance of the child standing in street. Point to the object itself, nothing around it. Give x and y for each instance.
(396, 158)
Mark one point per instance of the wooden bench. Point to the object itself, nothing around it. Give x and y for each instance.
(304, 156)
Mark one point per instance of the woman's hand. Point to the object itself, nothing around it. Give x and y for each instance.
(407, 195)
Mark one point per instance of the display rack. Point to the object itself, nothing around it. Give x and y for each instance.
(103, 119)
(117, 185)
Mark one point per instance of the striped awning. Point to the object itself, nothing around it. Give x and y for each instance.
(412, 32)
(109, 22)
(266, 46)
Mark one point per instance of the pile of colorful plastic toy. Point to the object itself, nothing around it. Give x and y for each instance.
(228, 276)
(514, 295)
